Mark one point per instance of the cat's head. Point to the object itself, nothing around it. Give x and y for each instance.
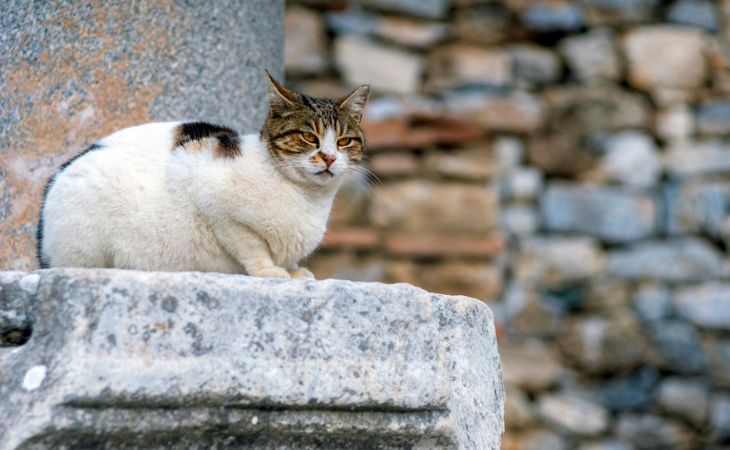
(315, 141)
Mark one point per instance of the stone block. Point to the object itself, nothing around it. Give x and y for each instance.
(706, 305)
(428, 206)
(512, 112)
(592, 55)
(397, 71)
(305, 42)
(483, 24)
(698, 13)
(558, 261)
(123, 359)
(604, 345)
(519, 361)
(617, 12)
(424, 245)
(457, 65)
(609, 213)
(717, 350)
(474, 163)
(630, 158)
(434, 9)
(573, 414)
(649, 431)
(691, 259)
(482, 280)
(678, 347)
(412, 33)
(703, 157)
(685, 397)
(72, 75)
(665, 56)
(553, 16)
(534, 65)
(714, 117)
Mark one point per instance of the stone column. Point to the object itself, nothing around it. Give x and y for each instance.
(123, 359)
(72, 73)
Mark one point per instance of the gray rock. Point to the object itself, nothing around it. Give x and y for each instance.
(519, 220)
(706, 305)
(714, 117)
(123, 359)
(510, 112)
(593, 55)
(679, 347)
(484, 24)
(630, 158)
(458, 65)
(534, 65)
(522, 184)
(542, 440)
(558, 261)
(397, 70)
(634, 392)
(520, 360)
(675, 122)
(690, 158)
(573, 414)
(606, 445)
(698, 206)
(650, 431)
(652, 302)
(718, 360)
(17, 292)
(700, 13)
(304, 41)
(720, 416)
(611, 214)
(553, 16)
(434, 9)
(352, 20)
(686, 259)
(509, 152)
(601, 12)
(518, 411)
(599, 345)
(687, 398)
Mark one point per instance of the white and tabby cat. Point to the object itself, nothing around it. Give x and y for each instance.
(193, 196)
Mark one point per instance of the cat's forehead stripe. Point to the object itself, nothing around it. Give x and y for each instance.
(226, 144)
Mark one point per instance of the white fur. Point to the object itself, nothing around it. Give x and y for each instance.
(137, 204)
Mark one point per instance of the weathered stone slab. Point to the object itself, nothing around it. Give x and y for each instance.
(122, 359)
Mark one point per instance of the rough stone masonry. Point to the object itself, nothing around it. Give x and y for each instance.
(123, 359)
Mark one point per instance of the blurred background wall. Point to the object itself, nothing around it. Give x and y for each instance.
(567, 162)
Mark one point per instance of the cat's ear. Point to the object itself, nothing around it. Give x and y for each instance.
(355, 102)
(279, 96)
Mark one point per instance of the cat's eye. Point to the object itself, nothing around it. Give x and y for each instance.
(343, 141)
(309, 137)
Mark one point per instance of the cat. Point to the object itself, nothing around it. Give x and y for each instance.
(194, 196)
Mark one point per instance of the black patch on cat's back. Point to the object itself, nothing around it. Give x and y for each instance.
(44, 264)
(227, 145)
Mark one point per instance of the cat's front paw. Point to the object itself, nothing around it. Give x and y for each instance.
(271, 272)
(302, 272)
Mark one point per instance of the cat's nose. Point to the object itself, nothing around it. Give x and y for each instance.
(327, 158)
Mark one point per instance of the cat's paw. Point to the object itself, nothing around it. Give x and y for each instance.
(272, 272)
(302, 272)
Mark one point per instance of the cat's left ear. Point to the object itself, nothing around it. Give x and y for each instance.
(355, 102)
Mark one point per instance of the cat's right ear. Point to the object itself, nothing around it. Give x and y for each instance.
(279, 96)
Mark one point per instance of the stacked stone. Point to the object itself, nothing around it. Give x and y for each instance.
(569, 160)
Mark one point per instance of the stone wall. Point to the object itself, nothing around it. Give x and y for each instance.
(568, 161)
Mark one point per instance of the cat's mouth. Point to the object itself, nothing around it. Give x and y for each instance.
(325, 172)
